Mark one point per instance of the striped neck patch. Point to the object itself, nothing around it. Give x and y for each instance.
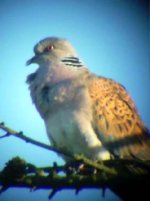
(72, 61)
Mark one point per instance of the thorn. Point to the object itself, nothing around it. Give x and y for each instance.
(55, 167)
(103, 192)
(3, 188)
(20, 133)
(51, 195)
(77, 191)
(6, 135)
(34, 188)
(2, 123)
(54, 170)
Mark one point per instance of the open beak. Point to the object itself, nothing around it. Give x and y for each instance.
(32, 60)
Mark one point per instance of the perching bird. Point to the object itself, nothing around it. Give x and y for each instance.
(84, 113)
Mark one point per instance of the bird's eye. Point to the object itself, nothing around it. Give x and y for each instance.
(48, 48)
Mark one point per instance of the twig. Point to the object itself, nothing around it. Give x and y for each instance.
(23, 137)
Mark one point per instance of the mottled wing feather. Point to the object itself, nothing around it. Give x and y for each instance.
(115, 116)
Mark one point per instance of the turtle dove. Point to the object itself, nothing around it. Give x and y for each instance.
(84, 113)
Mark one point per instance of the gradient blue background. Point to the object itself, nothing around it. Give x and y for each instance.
(111, 37)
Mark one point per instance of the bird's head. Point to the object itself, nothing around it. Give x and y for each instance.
(49, 48)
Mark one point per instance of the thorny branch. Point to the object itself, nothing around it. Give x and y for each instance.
(10, 132)
(129, 179)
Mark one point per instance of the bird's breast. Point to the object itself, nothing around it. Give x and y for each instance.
(49, 97)
(67, 106)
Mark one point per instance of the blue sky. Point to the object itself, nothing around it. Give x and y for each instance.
(111, 37)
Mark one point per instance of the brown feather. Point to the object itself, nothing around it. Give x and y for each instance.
(115, 118)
